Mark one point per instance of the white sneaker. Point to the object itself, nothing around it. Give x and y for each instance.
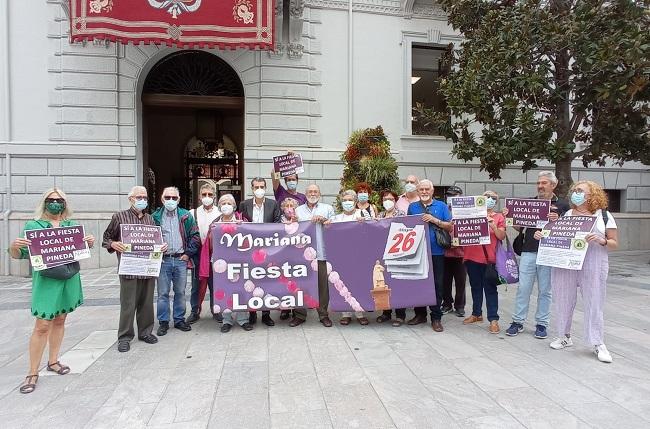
(603, 354)
(560, 343)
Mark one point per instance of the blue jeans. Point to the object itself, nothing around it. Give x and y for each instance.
(528, 270)
(173, 272)
(479, 285)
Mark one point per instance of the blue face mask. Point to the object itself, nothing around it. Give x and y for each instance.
(171, 205)
(140, 204)
(347, 205)
(292, 185)
(490, 202)
(363, 197)
(577, 198)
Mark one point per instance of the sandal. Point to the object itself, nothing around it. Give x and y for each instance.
(63, 369)
(397, 323)
(362, 321)
(345, 321)
(30, 384)
(383, 318)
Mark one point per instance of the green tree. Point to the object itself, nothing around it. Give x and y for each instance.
(367, 159)
(548, 80)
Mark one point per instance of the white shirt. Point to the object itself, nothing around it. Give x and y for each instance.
(258, 212)
(204, 219)
(304, 213)
(600, 222)
(342, 217)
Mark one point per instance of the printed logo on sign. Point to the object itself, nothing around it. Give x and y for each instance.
(579, 244)
(480, 201)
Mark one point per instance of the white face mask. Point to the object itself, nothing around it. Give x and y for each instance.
(313, 200)
(259, 192)
(227, 209)
(409, 187)
(389, 204)
(207, 201)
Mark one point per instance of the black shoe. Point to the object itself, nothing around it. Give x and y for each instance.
(193, 318)
(182, 326)
(247, 327)
(163, 327)
(285, 314)
(123, 346)
(149, 339)
(447, 309)
(266, 319)
(218, 317)
(460, 312)
(252, 317)
(226, 327)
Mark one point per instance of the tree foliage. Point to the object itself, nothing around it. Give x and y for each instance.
(548, 80)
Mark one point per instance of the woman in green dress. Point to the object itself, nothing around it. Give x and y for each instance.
(52, 299)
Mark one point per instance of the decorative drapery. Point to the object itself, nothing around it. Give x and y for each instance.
(183, 23)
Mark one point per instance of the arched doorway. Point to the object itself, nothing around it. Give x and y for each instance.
(193, 126)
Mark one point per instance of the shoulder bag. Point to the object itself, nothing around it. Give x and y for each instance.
(491, 274)
(443, 238)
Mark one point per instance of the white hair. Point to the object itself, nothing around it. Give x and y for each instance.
(171, 188)
(226, 197)
(551, 176)
(136, 189)
(349, 192)
(425, 182)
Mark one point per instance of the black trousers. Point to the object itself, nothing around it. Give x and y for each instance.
(454, 272)
(438, 262)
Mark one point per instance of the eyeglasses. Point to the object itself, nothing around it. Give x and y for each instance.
(141, 197)
(207, 194)
(55, 200)
(169, 197)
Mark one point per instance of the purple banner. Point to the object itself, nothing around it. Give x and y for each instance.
(529, 213)
(141, 238)
(471, 231)
(52, 247)
(378, 265)
(287, 165)
(570, 227)
(264, 266)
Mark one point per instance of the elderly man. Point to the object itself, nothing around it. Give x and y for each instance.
(203, 215)
(410, 196)
(136, 292)
(316, 212)
(436, 214)
(528, 268)
(181, 234)
(260, 209)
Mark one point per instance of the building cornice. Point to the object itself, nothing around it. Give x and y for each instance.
(405, 8)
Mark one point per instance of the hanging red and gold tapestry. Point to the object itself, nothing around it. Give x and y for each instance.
(183, 23)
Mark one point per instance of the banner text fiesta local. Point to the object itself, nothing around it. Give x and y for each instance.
(274, 266)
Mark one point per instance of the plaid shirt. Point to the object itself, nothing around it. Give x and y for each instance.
(113, 231)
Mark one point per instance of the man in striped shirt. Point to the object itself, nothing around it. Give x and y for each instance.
(136, 292)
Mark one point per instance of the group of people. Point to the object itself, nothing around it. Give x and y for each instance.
(188, 246)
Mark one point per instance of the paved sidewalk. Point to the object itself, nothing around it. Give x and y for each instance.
(375, 376)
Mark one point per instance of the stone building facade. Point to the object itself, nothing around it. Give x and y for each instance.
(73, 114)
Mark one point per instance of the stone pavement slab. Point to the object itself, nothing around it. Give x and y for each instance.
(374, 376)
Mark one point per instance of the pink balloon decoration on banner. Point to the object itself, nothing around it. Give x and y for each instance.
(259, 256)
(220, 266)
